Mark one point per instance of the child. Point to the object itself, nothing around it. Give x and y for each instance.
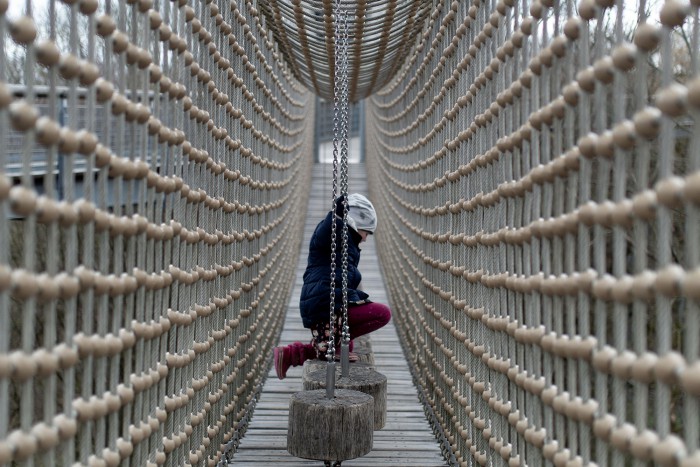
(364, 316)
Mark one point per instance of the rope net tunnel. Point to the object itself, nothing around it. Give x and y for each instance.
(536, 170)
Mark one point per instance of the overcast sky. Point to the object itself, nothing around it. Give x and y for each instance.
(40, 9)
(17, 7)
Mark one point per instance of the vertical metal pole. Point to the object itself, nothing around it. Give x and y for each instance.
(361, 129)
(345, 359)
(60, 161)
(317, 131)
(330, 380)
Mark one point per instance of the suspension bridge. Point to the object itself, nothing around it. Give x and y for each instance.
(535, 166)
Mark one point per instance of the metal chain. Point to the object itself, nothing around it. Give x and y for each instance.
(344, 126)
(340, 145)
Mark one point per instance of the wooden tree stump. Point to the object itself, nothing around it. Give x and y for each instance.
(335, 429)
(316, 365)
(363, 378)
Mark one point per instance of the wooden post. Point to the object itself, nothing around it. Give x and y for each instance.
(335, 429)
(363, 378)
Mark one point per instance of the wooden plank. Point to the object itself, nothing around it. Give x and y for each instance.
(407, 439)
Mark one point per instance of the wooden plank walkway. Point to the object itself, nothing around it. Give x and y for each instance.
(407, 439)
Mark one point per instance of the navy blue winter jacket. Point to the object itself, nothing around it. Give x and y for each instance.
(315, 293)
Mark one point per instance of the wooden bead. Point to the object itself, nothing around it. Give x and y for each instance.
(5, 96)
(587, 145)
(673, 100)
(621, 365)
(643, 368)
(643, 287)
(67, 427)
(603, 357)
(47, 290)
(87, 142)
(692, 460)
(604, 145)
(647, 37)
(645, 204)
(24, 366)
(105, 25)
(154, 19)
(164, 32)
(669, 367)
(624, 135)
(588, 9)
(622, 435)
(572, 28)
(88, 7)
(104, 90)
(690, 379)
(5, 186)
(23, 116)
(559, 46)
(603, 426)
(22, 200)
(691, 189)
(47, 53)
(641, 445)
(68, 142)
(88, 73)
(537, 10)
(670, 191)
(120, 42)
(46, 436)
(603, 70)
(69, 66)
(647, 122)
(145, 5)
(586, 79)
(669, 280)
(562, 458)
(673, 13)
(47, 131)
(571, 94)
(550, 449)
(143, 59)
(23, 30)
(24, 444)
(691, 284)
(624, 56)
(669, 451)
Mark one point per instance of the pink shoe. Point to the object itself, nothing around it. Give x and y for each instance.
(282, 361)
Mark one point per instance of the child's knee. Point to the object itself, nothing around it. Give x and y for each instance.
(383, 313)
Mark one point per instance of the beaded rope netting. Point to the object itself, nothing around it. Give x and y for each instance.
(153, 161)
(536, 171)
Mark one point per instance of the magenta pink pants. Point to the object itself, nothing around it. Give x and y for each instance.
(362, 319)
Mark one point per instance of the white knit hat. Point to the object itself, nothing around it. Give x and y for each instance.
(361, 215)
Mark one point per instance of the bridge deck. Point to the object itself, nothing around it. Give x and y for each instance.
(407, 439)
